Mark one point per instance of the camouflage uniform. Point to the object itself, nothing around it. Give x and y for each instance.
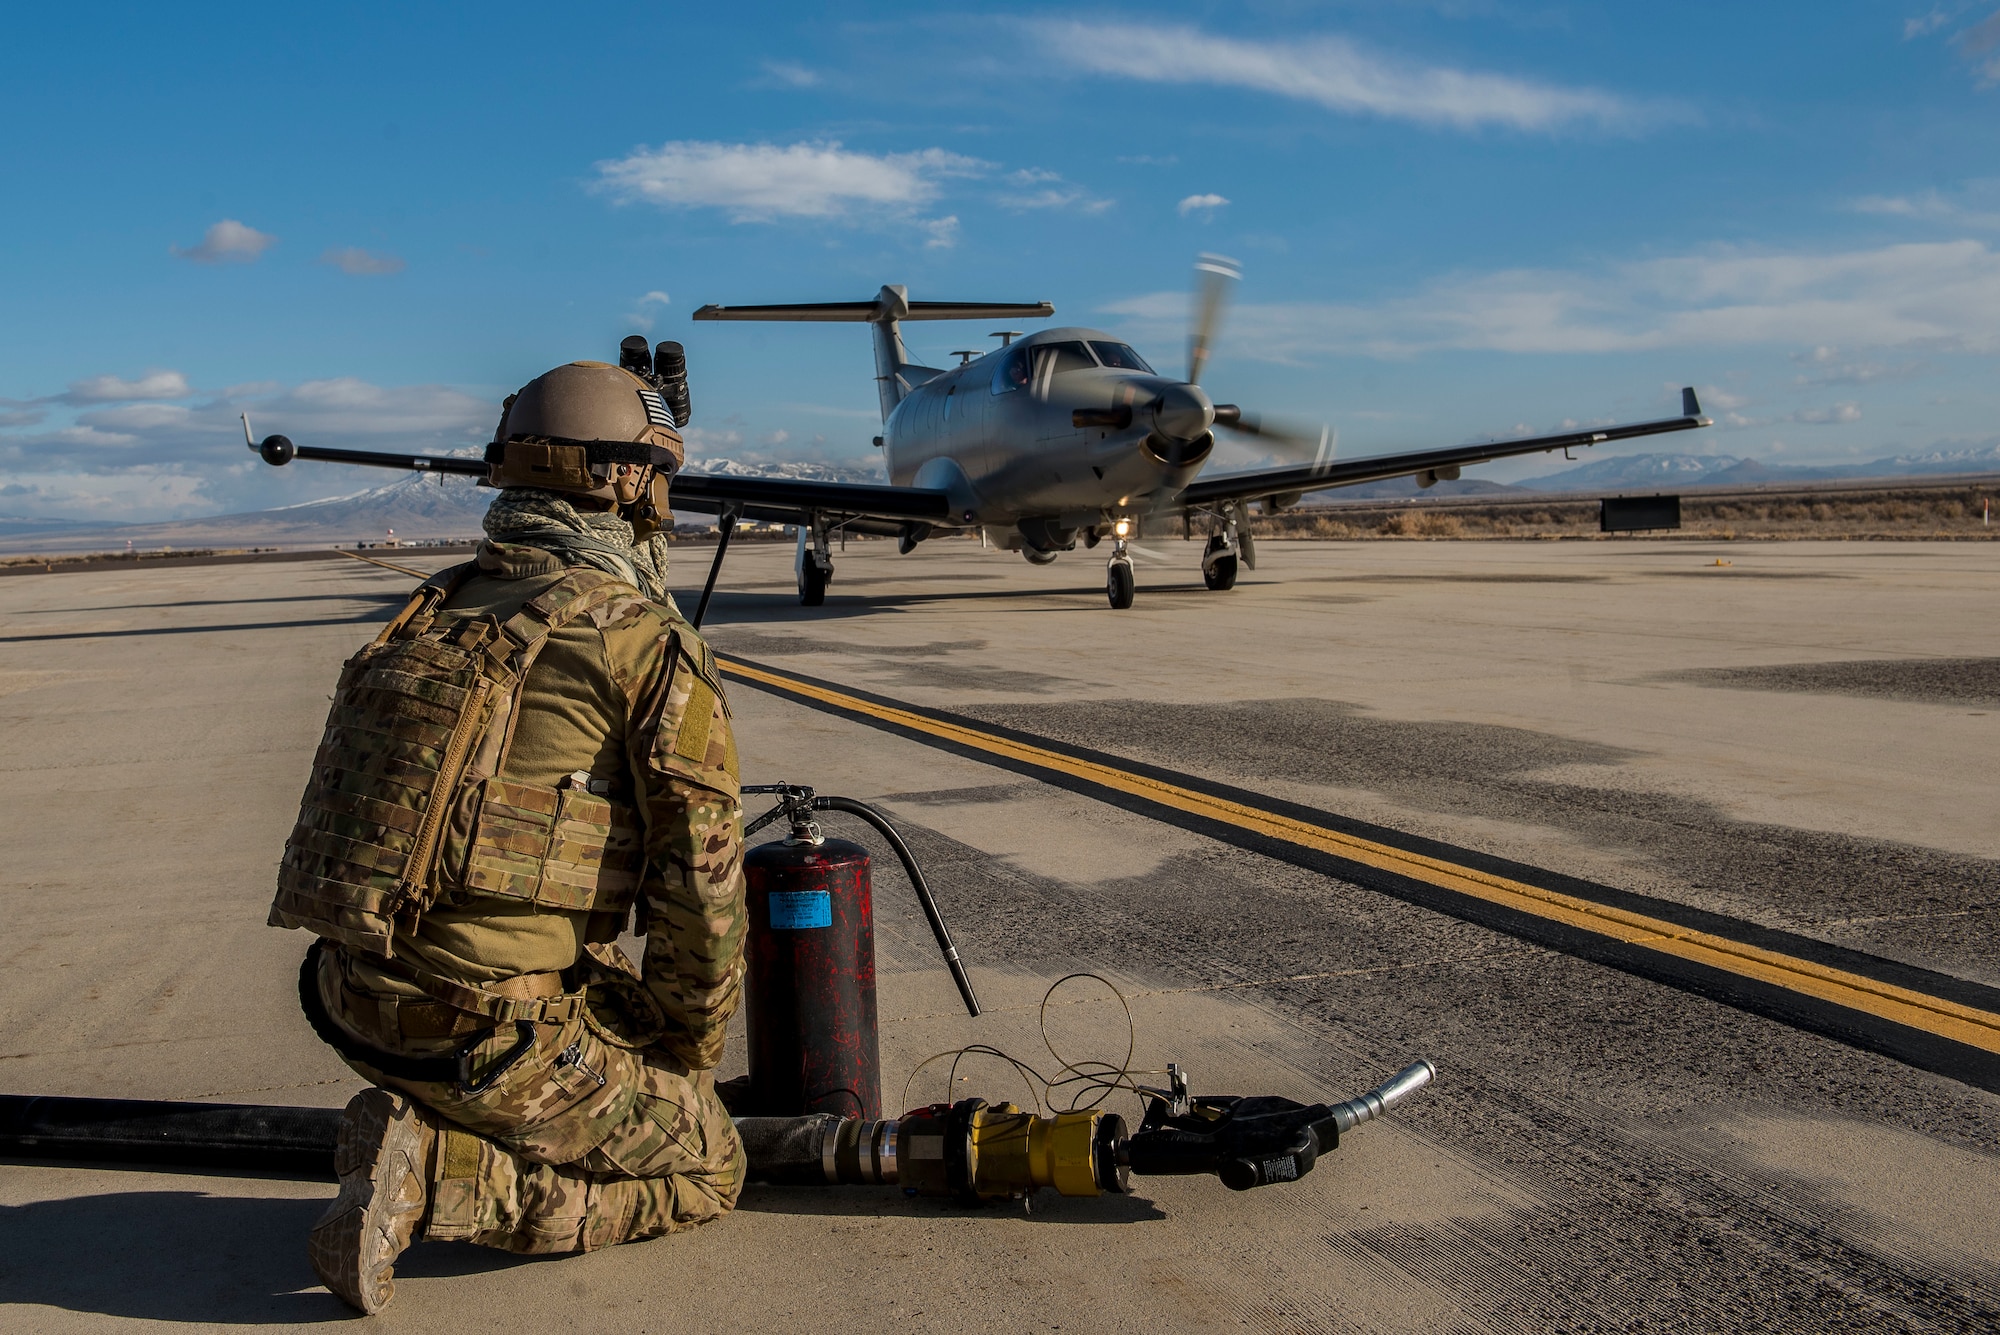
(608, 1128)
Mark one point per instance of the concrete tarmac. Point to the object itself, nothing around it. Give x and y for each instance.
(1798, 738)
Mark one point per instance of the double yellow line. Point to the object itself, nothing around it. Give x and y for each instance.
(1944, 1018)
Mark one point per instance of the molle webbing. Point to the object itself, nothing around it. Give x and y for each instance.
(410, 712)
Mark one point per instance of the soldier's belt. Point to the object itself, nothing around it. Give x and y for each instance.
(537, 998)
(409, 1019)
(456, 1069)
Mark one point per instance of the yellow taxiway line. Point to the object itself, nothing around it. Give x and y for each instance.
(1916, 1010)
(386, 565)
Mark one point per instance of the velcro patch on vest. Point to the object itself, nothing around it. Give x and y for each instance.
(691, 742)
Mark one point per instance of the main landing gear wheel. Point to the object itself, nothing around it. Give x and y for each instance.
(812, 584)
(1218, 571)
(1118, 584)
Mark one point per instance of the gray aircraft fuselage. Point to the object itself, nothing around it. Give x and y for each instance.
(1000, 431)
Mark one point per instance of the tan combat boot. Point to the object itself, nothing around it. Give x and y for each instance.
(382, 1158)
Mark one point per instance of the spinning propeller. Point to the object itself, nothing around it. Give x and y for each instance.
(1215, 278)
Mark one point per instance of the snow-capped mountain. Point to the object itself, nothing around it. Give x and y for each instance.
(1722, 470)
(868, 471)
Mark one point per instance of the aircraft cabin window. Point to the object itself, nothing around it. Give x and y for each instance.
(1119, 356)
(1012, 373)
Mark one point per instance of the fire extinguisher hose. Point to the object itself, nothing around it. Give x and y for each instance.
(917, 883)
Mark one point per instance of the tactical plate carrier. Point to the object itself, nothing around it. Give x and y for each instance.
(405, 802)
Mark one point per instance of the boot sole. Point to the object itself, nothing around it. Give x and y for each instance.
(354, 1246)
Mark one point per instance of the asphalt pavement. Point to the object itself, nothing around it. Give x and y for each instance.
(1798, 739)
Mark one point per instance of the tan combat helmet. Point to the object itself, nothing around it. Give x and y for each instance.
(568, 430)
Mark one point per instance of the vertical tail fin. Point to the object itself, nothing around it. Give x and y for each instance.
(895, 374)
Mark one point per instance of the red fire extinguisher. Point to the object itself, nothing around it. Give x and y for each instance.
(809, 997)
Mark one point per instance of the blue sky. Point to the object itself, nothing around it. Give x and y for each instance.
(364, 225)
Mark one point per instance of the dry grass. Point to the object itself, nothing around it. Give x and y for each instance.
(1905, 513)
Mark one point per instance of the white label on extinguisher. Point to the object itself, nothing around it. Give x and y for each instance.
(792, 910)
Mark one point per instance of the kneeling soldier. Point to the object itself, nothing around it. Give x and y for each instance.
(536, 749)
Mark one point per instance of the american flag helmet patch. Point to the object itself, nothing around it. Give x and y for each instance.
(656, 408)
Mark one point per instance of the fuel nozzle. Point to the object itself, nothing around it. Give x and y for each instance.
(1255, 1141)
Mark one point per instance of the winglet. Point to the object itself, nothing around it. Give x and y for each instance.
(1690, 405)
(247, 438)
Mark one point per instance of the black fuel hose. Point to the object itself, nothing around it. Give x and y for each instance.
(917, 883)
(230, 1136)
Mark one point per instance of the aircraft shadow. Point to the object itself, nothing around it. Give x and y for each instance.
(750, 608)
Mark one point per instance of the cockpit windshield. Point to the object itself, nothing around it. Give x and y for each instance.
(1055, 358)
(1119, 356)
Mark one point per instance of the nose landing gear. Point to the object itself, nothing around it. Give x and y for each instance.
(1119, 585)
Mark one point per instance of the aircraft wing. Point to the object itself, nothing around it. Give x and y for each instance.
(1350, 472)
(774, 500)
(780, 500)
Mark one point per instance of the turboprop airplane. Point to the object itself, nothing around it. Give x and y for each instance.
(1065, 435)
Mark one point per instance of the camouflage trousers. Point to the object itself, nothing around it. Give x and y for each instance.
(580, 1144)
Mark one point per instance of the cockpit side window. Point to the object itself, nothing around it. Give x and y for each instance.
(1119, 356)
(1012, 373)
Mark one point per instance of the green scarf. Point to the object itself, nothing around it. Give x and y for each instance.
(550, 521)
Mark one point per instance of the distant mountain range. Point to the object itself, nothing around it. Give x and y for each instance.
(416, 506)
(1721, 470)
(428, 506)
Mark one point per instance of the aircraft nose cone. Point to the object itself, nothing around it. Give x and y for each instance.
(1183, 413)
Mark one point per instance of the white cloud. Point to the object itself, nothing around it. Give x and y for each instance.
(787, 74)
(227, 240)
(348, 407)
(1341, 76)
(1923, 25)
(1835, 371)
(942, 232)
(1038, 188)
(112, 389)
(1838, 413)
(1940, 295)
(138, 417)
(1981, 37)
(155, 460)
(1930, 206)
(706, 442)
(354, 260)
(1204, 204)
(642, 316)
(762, 182)
(134, 491)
